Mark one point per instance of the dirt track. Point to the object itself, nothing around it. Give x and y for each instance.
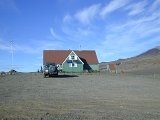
(91, 97)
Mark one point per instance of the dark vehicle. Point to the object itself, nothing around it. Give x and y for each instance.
(12, 72)
(50, 69)
(2, 73)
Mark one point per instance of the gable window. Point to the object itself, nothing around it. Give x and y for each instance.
(73, 64)
(72, 57)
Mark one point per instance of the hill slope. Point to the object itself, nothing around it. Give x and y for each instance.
(152, 52)
(145, 63)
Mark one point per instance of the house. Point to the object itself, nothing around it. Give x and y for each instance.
(72, 60)
(111, 68)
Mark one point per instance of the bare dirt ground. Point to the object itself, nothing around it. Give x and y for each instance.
(80, 97)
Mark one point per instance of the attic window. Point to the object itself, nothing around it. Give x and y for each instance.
(72, 57)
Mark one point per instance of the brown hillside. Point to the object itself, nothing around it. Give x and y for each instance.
(145, 63)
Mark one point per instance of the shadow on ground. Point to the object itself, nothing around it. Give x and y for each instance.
(65, 76)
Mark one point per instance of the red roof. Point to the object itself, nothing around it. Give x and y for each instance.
(112, 66)
(59, 56)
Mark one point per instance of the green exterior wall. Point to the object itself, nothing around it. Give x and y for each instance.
(66, 68)
(81, 65)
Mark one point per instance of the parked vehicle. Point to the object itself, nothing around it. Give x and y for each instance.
(12, 72)
(50, 69)
(2, 73)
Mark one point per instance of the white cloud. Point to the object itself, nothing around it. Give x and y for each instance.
(136, 8)
(131, 38)
(54, 35)
(155, 5)
(26, 49)
(35, 47)
(76, 34)
(4, 45)
(84, 32)
(113, 39)
(112, 6)
(86, 15)
(67, 18)
(141, 27)
(50, 45)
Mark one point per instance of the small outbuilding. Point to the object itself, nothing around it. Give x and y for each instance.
(111, 67)
(72, 60)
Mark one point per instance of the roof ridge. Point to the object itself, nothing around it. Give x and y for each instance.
(69, 50)
(60, 55)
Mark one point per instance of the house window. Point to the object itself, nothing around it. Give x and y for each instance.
(73, 64)
(72, 57)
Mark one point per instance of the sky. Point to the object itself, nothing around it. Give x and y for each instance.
(115, 29)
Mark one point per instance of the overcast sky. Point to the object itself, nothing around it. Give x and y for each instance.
(113, 28)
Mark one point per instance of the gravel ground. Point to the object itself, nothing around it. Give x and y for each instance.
(80, 97)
